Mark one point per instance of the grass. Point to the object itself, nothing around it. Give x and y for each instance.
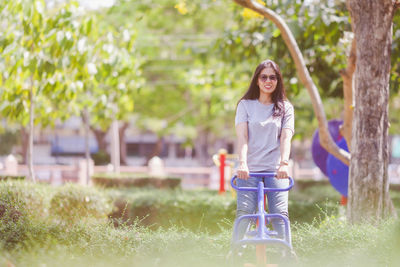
(198, 210)
(334, 242)
(41, 238)
(326, 243)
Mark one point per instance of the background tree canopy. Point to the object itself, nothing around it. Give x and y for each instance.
(185, 65)
(179, 37)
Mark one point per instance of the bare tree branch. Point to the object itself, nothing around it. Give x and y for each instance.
(324, 135)
(348, 88)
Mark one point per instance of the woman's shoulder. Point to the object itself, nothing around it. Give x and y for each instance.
(287, 104)
(288, 107)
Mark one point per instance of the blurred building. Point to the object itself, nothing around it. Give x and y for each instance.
(65, 144)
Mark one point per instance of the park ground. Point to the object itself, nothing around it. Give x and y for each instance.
(74, 225)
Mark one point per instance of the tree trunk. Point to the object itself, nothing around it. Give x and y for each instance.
(201, 147)
(115, 161)
(24, 144)
(87, 146)
(368, 178)
(348, 92)
(31, 132)
(122, 143)
(156, 150)
(100, 138)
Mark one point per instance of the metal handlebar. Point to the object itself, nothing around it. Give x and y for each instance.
(265, 189)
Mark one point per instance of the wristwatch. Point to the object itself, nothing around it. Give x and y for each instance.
(284, 162)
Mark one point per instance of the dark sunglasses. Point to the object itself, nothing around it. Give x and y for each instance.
(264, 78)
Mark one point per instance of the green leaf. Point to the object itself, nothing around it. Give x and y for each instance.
(88, 26)
(276, 32)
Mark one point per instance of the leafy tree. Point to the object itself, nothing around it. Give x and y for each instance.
(57, 63)
(173, 45)
(212, 96)
(34, 48)
(109, 75)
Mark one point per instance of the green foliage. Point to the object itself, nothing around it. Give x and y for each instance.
(32, 198)
(305, 121)
(123, 180)
(108, 74)
(73, 203)
(394, 109)
(333, 241)
(208, 211)
(101, 158)
(325, 243)
(13, 213)
(60, 61)
(321, 32)
(196, 210)
(20, 203)
(102, 245)
(174, 247)
(395, 61)
(199, 63)
(395, 196)
(184, 94)
(7, 140)
(12, 177)
(31, 61)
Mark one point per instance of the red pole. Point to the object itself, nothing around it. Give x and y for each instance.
(222, 157)
(343, 201)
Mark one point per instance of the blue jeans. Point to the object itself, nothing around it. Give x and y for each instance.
(247, 203)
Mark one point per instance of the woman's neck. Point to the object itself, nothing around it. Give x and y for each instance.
(265, 99)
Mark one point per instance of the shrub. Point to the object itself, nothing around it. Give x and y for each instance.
(308, 211)
(25, 196)
(13, 215)
(20, 204)
(310, 200)
(200, 210)
(195, 210)
(101, 158)
(12, 177)
(103, 245)
(73, 203)
(7, 140)
(134, 180)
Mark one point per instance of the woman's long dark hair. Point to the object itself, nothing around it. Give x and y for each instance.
(279, 94)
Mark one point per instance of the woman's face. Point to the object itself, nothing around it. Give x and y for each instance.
(267, 81)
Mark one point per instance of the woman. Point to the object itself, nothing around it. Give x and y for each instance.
(264, 128)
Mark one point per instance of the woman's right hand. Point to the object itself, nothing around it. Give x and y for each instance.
(243, 171)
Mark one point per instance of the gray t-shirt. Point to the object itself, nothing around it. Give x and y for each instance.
(264, 132)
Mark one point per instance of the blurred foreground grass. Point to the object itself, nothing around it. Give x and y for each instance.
(66, 226)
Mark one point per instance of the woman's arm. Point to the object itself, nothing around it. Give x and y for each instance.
(242, 139)
(285, 144)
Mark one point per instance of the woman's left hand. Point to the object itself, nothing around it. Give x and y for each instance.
(283, 172)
